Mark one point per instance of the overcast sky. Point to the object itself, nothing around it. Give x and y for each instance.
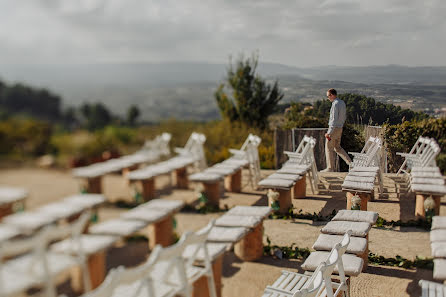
(299, 33)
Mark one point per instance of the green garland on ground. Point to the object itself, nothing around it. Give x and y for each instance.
(315, 217)
(294, 252)
(380, 223)
(420, 223)
(398, 261)
(287, 252)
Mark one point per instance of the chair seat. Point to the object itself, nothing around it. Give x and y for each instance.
(85, 200)
(352, 264)
(238, 162)
(361, 179)
(428, 188)
(358, 186)
(28, 221)
(59, 210)
(228, 220)
(7, 232)
(206, 177)
(438, 222)
(276, 183)
(360, 229)
(440, 269)
(118, 227)
(227, 234)
(293, 177)
(356, 216)
(438, 249)
(438, 235)
(325, 242)
(11, 194)
(146, 214)
(364, 169)
(169, 205)
(215, 250)
(90, 244)
(262, 211)
(220, 171)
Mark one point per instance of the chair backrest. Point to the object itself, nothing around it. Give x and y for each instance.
(171, 261)
(197, 242)
(37, 245)
(314, 284)
(430, 152)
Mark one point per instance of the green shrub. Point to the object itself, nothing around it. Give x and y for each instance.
(402, 137)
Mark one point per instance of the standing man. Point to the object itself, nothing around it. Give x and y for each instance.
(334, 133)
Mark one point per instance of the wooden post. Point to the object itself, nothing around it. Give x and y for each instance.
(6, 210)
(250, 248)
(96, 267)
(148, 189)
(419, 205)
(200, 286)
(284, 200)
(365, 255)
(364, 198)
(233, 183)
(161, 232)
(182, 180)
(94, 185)
(300, 188)
(212, 192)
(437, 200)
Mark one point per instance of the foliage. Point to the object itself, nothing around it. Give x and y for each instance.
(402, 137)
(287, 252)
(420, 223)
(365, 110)
(39, 103)
(294, 252)
(132, 115)
(23, 137)
(85, 147)
(398, 261)
(315, 217)
(253, 100)
(96, 116)
(297, 117)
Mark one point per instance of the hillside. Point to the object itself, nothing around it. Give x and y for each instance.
(185, 90)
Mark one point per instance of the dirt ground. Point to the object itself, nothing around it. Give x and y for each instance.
(250, 278)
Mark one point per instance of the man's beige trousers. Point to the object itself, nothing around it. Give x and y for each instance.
(334, 145)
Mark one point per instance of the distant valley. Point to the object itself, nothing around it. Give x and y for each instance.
(185, 90)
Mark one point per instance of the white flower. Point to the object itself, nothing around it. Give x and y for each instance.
(272, 195)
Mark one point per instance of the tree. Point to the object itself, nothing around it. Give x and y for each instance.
(96, 115)
(132, 114)
(253, 100)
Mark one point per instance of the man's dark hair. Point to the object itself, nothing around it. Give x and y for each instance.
(332, 92)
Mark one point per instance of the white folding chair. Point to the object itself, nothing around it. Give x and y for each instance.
(319, 283)
(39, 266)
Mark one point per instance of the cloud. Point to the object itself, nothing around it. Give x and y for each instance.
(301, 33)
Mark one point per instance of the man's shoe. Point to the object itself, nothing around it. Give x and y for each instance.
(327, 170)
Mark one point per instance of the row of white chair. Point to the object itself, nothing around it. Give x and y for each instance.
(168, 271)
